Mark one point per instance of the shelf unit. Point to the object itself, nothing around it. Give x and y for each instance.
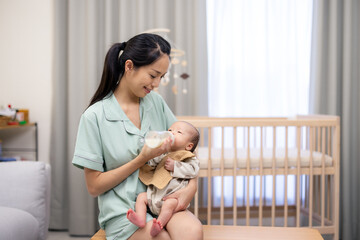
(13, 137)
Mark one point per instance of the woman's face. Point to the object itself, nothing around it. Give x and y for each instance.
(143, 80)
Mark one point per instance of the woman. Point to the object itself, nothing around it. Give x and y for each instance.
(110, 141)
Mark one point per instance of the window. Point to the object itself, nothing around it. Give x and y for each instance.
(259, 57)
(259, 65)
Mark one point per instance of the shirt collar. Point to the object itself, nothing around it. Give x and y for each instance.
(112, 109)
(114, 112)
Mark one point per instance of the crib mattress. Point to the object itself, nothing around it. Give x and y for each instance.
(255, 158)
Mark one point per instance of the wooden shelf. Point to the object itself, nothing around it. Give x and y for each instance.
(17, 126)
(20, 148)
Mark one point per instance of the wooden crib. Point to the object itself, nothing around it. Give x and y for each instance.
(269, 172)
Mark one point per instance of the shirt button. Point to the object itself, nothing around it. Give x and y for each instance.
(141, 140)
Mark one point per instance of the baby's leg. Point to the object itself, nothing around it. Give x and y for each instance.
(139, 217)
(166, 212)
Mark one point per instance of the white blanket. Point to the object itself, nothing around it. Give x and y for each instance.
(255, 157)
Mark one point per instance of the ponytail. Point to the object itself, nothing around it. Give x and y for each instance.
(111, 73)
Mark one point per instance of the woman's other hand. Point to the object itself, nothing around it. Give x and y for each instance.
(184, 195)
(149, 153)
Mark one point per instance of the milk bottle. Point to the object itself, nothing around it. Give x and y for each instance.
(155, 138)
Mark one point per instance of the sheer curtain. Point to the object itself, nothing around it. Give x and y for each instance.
(259, 53)
(259, 66)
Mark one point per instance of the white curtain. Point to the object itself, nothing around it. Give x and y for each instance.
(259, 55)
(259, 66)
(84, 31)
(335, 88)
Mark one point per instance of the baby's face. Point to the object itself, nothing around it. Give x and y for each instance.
(183, 134)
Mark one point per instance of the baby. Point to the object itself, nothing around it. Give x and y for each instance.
(164, 175)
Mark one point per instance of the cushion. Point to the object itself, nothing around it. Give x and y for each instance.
(25, 185)
(16, 224)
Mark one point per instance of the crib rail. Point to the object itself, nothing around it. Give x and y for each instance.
(304, 194)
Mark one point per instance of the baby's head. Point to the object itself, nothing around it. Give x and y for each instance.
(186, 136)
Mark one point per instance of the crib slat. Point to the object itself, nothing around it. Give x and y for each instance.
(254, 177)
(273, 198)
(318, 140)
(336, 163)
(286, 178)
(328, 196)
(209, 207)
(306, 186)
(317, 193)
(248, 179)
(306, 178)
(323, 179)
(222, 178)
(298, 135)
(317, 186)
(261, 177)
(196, 202)
(244, 189)
(330, 153)
(311, 178)
(234, 177)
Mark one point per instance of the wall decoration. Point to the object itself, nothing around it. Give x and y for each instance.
(177, 75)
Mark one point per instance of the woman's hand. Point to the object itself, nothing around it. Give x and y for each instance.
(184, 195)
(99, 182)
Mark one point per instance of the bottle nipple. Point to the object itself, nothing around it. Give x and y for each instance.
(155, 138)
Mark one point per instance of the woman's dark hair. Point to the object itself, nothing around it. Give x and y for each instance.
(142, 50)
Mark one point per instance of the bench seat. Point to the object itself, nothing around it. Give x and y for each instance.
(216, 232)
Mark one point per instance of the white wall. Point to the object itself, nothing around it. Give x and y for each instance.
(26, 62)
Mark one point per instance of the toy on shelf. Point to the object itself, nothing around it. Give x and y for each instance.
(11, 116)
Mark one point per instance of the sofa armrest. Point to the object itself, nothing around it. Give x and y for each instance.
(26, 185)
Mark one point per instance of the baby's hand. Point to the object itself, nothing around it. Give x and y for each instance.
(169, 164)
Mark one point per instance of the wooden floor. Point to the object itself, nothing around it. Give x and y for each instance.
(214, 232)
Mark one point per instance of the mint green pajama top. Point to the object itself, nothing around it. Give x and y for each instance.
(106, 140)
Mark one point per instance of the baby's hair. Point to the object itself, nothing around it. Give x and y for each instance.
(196, 136)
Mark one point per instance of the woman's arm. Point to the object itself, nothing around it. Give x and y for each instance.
(99, 182)
(184, 195)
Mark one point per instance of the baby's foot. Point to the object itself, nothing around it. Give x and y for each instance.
(134, 218)
(155, 228)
